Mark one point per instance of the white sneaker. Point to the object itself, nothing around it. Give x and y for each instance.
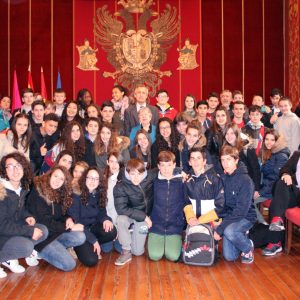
(3, 274)
(14, 266)
(32, 260)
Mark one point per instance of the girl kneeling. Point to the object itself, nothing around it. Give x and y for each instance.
(88, 208)
(48, 201)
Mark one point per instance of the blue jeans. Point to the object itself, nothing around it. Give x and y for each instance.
(235, 239)
(20, 246)
(107, 247)
(56, 253)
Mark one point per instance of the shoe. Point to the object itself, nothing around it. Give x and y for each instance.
(3, 274)
(32, 260)
(124, 258)
(276, 226)
(248, 258)
(14, 266)
(272, 249)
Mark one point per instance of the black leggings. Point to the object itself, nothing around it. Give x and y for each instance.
(285, 196)
(85, 252)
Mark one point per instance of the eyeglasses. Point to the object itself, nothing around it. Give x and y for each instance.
(165, 128)
(93, 178)
(17, 167)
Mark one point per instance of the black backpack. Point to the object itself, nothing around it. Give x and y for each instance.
(199, 246)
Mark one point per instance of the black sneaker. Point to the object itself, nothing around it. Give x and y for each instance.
(272, 249)
(276, 226)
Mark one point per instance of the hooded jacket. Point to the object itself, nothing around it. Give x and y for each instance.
(206, 187)
(135, 201)
(13, 214)
(270, 170)
(169, 199)
(47, 213)
(239, 189)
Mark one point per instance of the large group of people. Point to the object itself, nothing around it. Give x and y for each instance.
(78, 179)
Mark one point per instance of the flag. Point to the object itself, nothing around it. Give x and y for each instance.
(58, 82)
(43, 85)
(30, 82)
(16, 99)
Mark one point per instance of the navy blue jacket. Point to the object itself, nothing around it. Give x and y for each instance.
(239, 190)
(167, 213)
(206, 186)
(88, 214)
(270, 170)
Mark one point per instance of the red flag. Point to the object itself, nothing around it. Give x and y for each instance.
(16, 99)
(43, 85)
(30, 82)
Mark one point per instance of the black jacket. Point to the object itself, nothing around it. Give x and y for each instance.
(88, 214)
(135, 201)
(47, 213)
(36, 142)
(291, 166)
(13, 215)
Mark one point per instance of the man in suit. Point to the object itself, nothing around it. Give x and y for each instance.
(131, 118)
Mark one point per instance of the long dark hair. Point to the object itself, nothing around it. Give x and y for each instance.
(64, 120)
(65, 142)
(162, 144)
(26, 180)
(25, 138)
(85, 191)
(265, 153)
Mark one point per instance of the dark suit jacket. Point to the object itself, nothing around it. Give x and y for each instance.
(131, 118)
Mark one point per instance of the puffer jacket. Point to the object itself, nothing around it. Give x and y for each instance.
(135, 201)
(270, 170)
(13, 215)
(47, 213)
(205, 187)
(239, 190)
(167, 213)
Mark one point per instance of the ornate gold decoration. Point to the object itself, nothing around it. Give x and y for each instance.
(187, 56)
(135, 53)
(87, 57)
(294, 65)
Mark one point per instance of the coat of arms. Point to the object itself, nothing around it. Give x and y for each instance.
(135, 53)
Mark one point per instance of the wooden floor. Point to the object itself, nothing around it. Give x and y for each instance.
(266, 278)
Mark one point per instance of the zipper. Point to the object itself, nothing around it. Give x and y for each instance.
(167, 212)
(144, 197)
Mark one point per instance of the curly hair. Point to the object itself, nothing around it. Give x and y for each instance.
(26, 180)
(101, 189)
(25, 138)
(61, 195)
(65, 142)
(99, 146)
(161, 143)
(80, 98)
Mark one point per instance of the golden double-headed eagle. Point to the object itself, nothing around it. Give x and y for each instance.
(135, 53)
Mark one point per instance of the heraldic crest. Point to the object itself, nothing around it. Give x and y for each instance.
(135, 53)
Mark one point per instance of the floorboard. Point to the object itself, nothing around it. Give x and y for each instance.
(267, 278)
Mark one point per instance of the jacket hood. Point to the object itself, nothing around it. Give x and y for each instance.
(7, 186)
(127, 177)
(2, 192)
(123, 142)
(199, 144)
(280, 145)
(207, 170)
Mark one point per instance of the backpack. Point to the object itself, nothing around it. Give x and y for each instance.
(199, 246)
